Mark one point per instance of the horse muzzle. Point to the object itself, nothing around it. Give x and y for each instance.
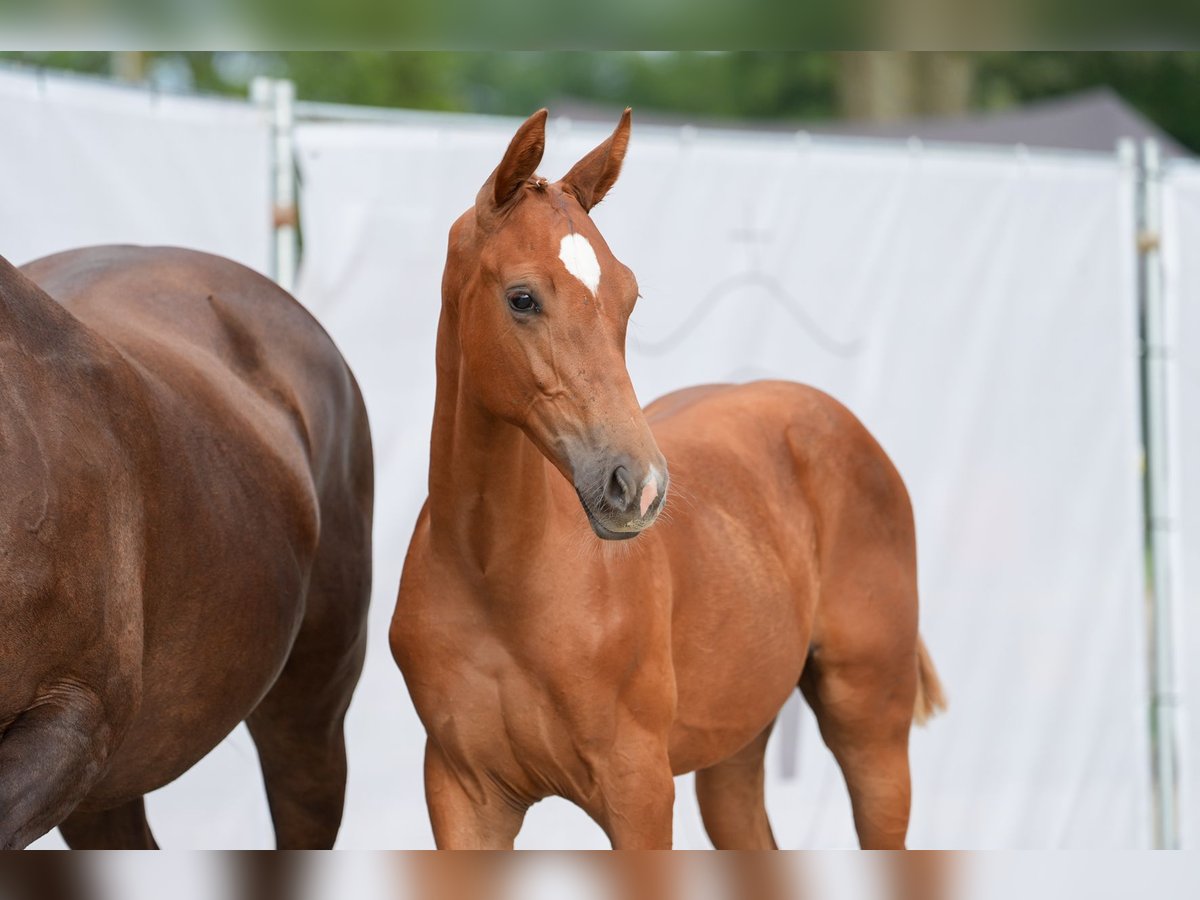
(623, 499)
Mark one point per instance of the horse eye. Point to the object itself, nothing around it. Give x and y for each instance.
(521, 301)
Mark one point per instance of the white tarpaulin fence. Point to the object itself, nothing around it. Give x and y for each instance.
(83, 162)
(976, 309)
(1181, 271)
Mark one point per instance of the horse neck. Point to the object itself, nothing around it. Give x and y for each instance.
(489, 486)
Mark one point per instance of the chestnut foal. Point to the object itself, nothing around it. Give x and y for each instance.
(547, 659)
(185, 541)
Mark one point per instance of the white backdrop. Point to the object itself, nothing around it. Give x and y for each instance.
(1181, 271)
(975, 309)
(83, 162)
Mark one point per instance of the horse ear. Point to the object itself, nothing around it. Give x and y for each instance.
(592, 177)
(520, 161)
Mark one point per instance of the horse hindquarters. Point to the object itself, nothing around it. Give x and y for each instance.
(862, 674)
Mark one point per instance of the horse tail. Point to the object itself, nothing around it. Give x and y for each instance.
(931, 699)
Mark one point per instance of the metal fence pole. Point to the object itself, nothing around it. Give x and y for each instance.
(277, 97)
(1159, 499)
(286, 219)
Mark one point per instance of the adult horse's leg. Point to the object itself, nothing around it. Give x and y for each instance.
(121, 828)
(733, 802)
(863, 698)
(478, 817)
(298, 730)
(298, 726)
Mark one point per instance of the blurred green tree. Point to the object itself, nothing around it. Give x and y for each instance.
(733, 85)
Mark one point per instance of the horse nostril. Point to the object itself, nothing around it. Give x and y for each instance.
(621, 489)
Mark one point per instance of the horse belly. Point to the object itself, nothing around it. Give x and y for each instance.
(222, 610)
(187, 709)
(742, 619)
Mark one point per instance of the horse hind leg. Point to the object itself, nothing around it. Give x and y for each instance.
(298, 726)
(302, 753)
(120, 828)
(864, 703)
(298, 730)
(733, 801)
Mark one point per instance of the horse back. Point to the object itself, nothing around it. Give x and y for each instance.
(780, 429)
(793, 460)
(210, 330)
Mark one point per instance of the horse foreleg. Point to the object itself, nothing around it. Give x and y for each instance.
(50, 757)
(636, 800)
(466, 809)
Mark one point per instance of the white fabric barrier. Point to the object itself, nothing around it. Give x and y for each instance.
(975, 309)
(83, 162)
(1181, 284)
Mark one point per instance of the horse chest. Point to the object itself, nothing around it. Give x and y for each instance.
(521, 682)
(531, 733)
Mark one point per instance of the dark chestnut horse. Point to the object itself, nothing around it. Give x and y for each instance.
(543, 661)
(185, 541)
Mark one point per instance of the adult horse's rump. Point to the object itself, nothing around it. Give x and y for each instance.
(185, 540)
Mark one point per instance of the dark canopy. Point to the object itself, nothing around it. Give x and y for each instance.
(1091, 120)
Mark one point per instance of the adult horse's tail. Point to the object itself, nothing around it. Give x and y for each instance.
(931, 699)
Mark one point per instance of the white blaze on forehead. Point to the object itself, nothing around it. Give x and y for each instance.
(578, 256)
